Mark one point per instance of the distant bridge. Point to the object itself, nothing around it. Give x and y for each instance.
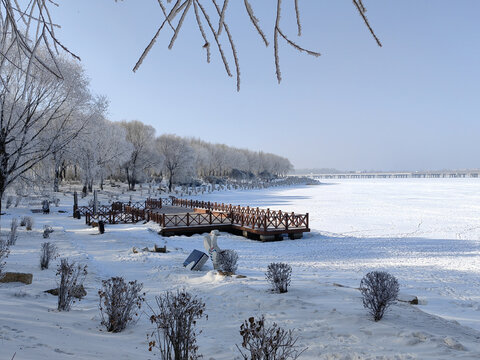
(400, 175)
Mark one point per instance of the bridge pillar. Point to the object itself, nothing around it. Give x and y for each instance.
(267, 237)
(294, 236)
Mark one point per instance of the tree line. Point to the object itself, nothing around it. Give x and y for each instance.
(131, 151)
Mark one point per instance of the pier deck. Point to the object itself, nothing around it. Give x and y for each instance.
(187, 217)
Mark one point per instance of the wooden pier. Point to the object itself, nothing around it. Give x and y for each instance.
(193, 217)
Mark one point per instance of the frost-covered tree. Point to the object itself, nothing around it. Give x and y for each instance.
(100, 150)
(84, 111)
(36, 115)
(142, 157)
(178, 157)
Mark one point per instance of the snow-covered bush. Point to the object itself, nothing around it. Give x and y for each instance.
(379, 290)
(119, 302)
(174, 333)
(9, 201)
(47, 230)
(265, 343)
(48, 252)
(4, 251)
(227, 261)
(12, 236)
(279, 275)
(27, 221)
(72, 276)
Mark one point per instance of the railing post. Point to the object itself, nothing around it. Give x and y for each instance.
(210, 217)
(188, 219)
(163, 220)
(265, 222)
(307, 220)
(286, 221)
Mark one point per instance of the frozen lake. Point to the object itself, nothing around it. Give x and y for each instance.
(425, 231)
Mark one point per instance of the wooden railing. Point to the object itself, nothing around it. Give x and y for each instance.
(119, 212)
(246, 216)
(216, 214)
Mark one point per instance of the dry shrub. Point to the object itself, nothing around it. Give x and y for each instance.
(27, 221)
(12, 236)
(379, 290)
(119, 302)
(48, 252)
(267, 343)
(279, 275)
(4, 251)
(47, 230)
(227, 261)
(72, 276)
(175, 335)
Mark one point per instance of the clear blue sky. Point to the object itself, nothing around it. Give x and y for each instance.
(413, 104)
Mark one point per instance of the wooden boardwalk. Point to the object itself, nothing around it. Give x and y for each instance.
(186, 217)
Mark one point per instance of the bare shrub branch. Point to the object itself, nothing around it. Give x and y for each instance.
(379, 290)
(72, 276)
(12, 236)
(48, 252)
(227, 260)
(47, 230)
(4, 251)
(175, 320)
(27, 221)
(264, 343)
(279, 275)
(119, 302)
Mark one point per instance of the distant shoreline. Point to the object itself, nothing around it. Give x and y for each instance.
(448, 174)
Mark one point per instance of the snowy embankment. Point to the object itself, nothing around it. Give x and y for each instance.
(422, 231)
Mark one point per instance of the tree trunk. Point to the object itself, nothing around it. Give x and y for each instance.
(170, 182)
(56, 180)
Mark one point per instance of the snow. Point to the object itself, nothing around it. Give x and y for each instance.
(424, 231)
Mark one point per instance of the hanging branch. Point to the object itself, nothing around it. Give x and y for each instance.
(254, 21)
(221, 10)
(362, 10)
(26, 27)
(232, 45)
(206, 46)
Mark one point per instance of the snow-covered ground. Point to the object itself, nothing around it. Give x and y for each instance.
(424, 231)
